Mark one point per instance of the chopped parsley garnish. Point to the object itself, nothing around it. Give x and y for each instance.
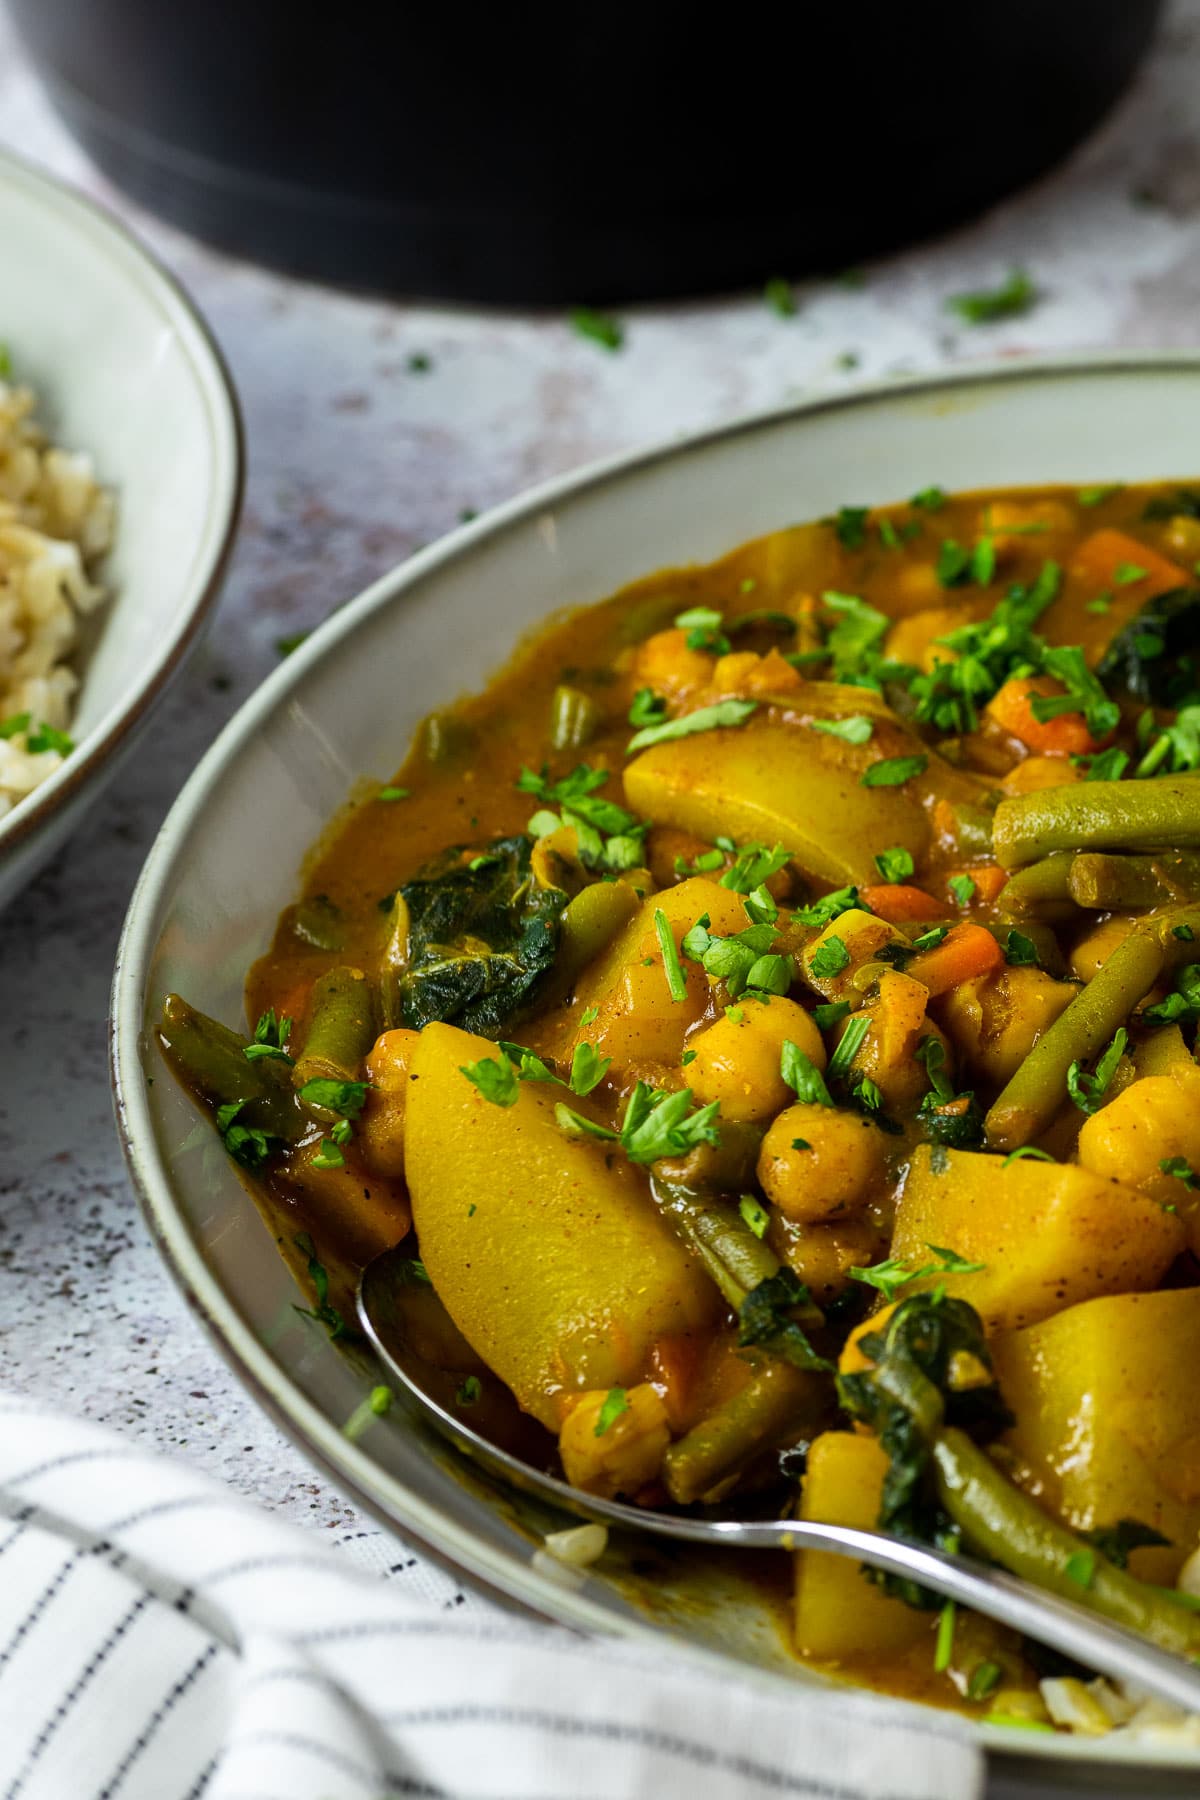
(983, 1680)
(1184, 933)
(1169, 749)
(848, 1047)
(616, 1401)
(324, 1313)
(495, 1078)
(754, 1215)
(469, 1391)
(529, 1067)
(245, 1143)
(893, 771)
(753, 866)
(1126, 574)
(1182, 1004)
(852, 644)
(1084, 693)
(648, 708)
(1016, 294)
(1081, 1568)
(588, 1069)
(1020, 952)
(600, 327)
(929, 940)
(930, 499)
(270, 1039)
(854, 730)
(329, 1156)
(850, 524)
(962, 889)
(1115, 1542)
(377, 1403)
(1095, 496)
(419, 362)
(708, 718)
(672, 968)
(734, 960)
(14, 725)
(1181, 1169)
(1088, 1091)
(343, 1097)
(48, 737)
(656, 1124)
(393, 793)
(829, 958)
(704, 630)
(830, 907)
(705, 863)
(890, 1276)
(608, 836)
(1027, 1153)
(779, 296)
(803, 1076)
(285, 645)
(895, 864)
(943, 1649)
(1108, 765)
(825, 1016)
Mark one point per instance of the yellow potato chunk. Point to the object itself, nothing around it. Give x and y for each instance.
(839, 1613)
(1049, 1234)
(380, 1128)
(995, 1020)
(737, 1057)
(831, 962)
(1108, 1416)
(1152, 1121)
(818, 1163)
(638, 1020)
(778, 783)
(545, 1249)
(615, 1455)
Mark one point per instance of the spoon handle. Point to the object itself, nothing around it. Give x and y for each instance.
(1075, 1630)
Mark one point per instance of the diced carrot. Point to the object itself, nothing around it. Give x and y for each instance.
(676, 1374)
(1066, 734)
(1107, 559)
(292, 1002)
(966, 951)
(989, 878)
(899, 904)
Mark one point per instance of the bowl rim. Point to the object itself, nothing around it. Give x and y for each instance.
(381, 1494)
(227, 443)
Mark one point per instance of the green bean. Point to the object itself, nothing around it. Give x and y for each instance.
(210, 1060)
(442, 736)
(589, 924)
(998, 1521)
(725, 1168)
(574, 718)
(973, 830)
(1038, 1088)
(736, 1259)
(1163, 814)
(775, 1399)
(318, 922)
(1105, 882)
(1040, 891)
(341, 1028)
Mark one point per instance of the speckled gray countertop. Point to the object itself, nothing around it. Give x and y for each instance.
(357, 456)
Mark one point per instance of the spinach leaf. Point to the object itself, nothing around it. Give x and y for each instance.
(1150, 657)
(481, 934)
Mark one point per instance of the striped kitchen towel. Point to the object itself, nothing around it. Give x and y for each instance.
(161, 1639)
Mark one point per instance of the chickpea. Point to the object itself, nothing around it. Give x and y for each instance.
(380, 1128)
(914, 640)
(1034, 773)
(738, 1057)
(627, 1455)
(1182, 538)
(823, 1255)
(817, 1163)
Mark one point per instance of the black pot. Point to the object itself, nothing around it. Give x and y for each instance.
(519, 154)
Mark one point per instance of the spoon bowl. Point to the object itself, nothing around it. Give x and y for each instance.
(1072, 1629)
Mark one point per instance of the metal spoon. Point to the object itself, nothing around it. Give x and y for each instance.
(1074, 1630)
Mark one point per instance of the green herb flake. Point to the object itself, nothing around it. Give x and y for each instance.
(600, 328)
(588, 1069)
(724, 714)
(893, 771)
(48, 737)
(14, 725)
(944, 1643)
(983, 1680)
(1015, 295)
(1096, 496)
(1088, 1091)
(930, 499)
(754, 1215)
(1126, 574)
(848, 1047)
(962, 889)
(469, 1391)
(393, 793)
(895, 865)
(1027, 1153)
(855, 730)
(801, 1144)
(672, 968)
(1184, 933)
(825, 1016)
(850, 525)
(648, 708)
(616, 1401)
(495, 1078)
(323, 1312)
(1181, 1169)
(780, 297)
(285, 645)
(803, 1076)
(1020, 952)
(829, 958)
(329, 1156)
(377, 1403)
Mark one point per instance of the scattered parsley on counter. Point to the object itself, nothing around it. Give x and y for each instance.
(1017, 294)
(779, 296)
(600, 327)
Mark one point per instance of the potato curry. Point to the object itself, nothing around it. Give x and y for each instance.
(767, 1015)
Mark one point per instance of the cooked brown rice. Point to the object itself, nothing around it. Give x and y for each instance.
(55, 525)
